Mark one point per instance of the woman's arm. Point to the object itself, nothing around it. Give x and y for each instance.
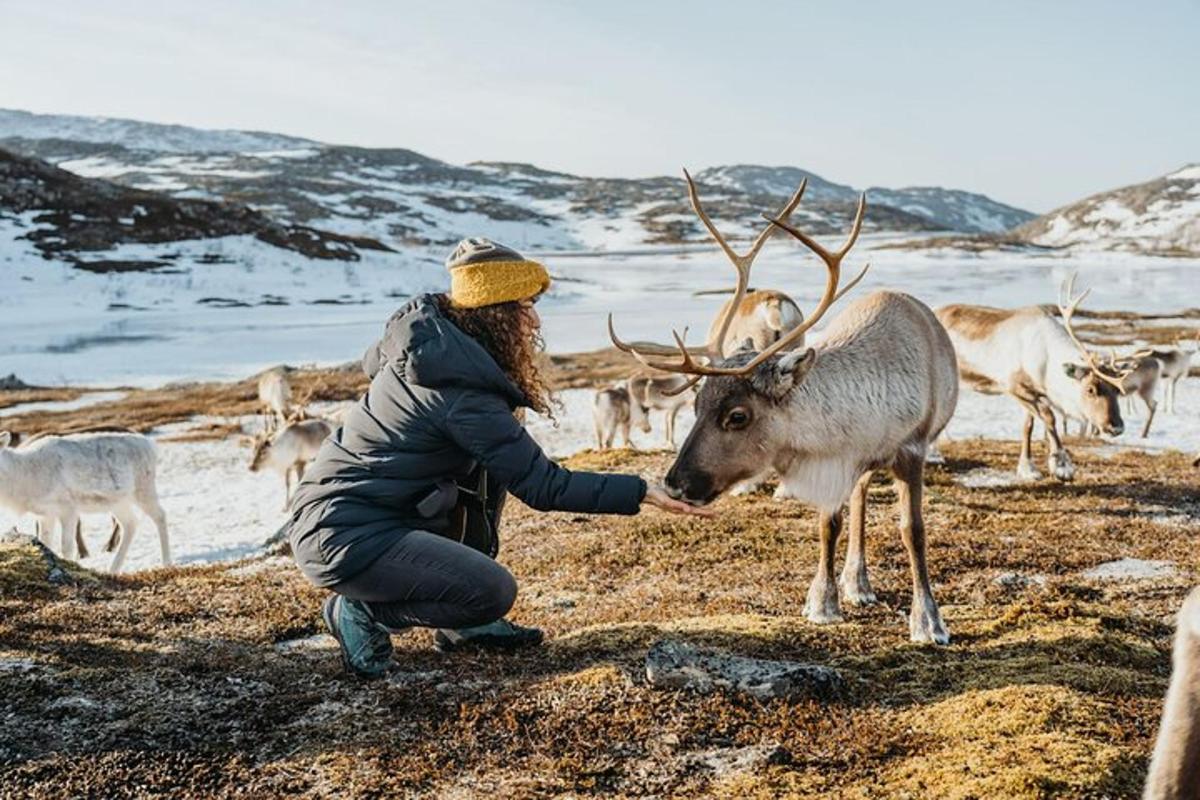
(482, 424)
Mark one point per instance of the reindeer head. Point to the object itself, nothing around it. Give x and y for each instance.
(262, 452)
(738, 428)
(1099, 385)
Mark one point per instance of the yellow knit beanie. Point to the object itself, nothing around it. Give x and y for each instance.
(484, 273)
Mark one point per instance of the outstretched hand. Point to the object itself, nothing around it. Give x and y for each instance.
(656, 496)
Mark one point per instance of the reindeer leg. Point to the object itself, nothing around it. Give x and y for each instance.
(128, 522)
(80, 544)
(625, 434)
(1151, 407)
(855, 586)
(1026, 471)
(67, 534)
(114, 538)
(44, 528)
(599, 437)
(1059, 461)
(822, 605)
(925, 620)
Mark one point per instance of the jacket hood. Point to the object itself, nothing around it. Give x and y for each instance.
(430, 350)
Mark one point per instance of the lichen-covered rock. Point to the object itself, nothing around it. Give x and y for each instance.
(676, 665)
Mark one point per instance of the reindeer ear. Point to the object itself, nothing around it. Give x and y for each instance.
(1075, 371)
(777, 378)
(798, 363)
(5, 438)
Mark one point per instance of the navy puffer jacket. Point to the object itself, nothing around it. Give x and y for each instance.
(438, 405)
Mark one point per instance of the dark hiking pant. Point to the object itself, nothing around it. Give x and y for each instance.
(430, 581)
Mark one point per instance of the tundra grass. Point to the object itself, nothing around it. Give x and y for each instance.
(213, 681)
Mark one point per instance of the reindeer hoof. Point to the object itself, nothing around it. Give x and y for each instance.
(1062, 467)
(928, 628)
(1028, 472)
(858, 596)
(783, 493)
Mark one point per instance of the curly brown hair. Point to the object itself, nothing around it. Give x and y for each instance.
(497, 328)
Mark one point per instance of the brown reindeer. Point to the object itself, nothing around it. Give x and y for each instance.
(760, 320)
(874, 394)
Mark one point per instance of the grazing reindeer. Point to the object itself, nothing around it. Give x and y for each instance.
(1175, 365)
(660, 393)
(610, 412)
(57, 477)
(275, 395)
(1138, 376)
(1027, 355)
(1175, 766)
(289, 451)
(761, 319)
(873, 395)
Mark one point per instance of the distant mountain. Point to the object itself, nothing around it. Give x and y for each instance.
(953, 209)
(65, 216)
(1161, 216)
(405, 199)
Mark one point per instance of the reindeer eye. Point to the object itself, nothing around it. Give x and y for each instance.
(737, 419)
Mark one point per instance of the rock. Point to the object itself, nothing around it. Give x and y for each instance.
(734, 760)
(54, 572)
(1016, 580)
(278, 544)
(1132, 569)
(676, 665)
(11, 383)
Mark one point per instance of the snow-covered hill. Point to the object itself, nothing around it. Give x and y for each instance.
(1161, 216)
(405, 199)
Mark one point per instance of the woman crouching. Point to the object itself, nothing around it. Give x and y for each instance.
(398, 513)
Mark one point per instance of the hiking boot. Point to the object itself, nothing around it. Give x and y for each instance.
(366, 645)
(498, 635)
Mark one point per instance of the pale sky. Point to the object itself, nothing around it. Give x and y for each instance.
(1033, 103)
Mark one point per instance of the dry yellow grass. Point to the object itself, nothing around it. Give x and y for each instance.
(173, 681)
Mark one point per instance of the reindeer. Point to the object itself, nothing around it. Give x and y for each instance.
(275, 396)
(1176, 364)
(1027, 355)
(610, 412)
(872, 395)
(661, 393)
(763, 316)
(58, 477)
(1138, 375)
(1175, 765)
(289, 451)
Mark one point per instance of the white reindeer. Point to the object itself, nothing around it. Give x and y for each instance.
(1027, 355)
(610, 413)
(1139, 376)
(57, 478)
(873, 395)
(289, 451)
(658, 393)
(1175, 765)
(760, 320)
(275, 395)
(1176, 363)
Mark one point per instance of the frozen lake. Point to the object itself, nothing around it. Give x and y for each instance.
(227, 320)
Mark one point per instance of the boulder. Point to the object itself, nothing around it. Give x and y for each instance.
(677, 665)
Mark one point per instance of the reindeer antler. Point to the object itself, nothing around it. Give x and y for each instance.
(1067, 306)
(712, 352)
